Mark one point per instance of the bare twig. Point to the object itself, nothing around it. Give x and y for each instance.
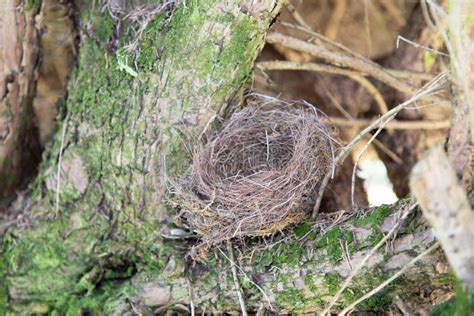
(358, 64)
(393, 124)
(249, 279)
(389, 280)
(429, 89)
(349, 117)
(335, 20)
(191, 296)
(356, 162)
(298, 18)
(354, 75)
(58, 175)
(243, 308)
(401, 38)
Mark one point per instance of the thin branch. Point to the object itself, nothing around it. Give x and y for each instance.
(296, 15)
(249, 279)
(358, 64)
(58, 175)
(191, 296)
(393, 124)
(389, 280)
(243, 308)
(349, 117)
(332, 27)
(429, 89)
(354, 75)
(401, 38)
(356, 162)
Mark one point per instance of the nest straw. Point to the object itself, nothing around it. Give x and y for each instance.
(258, 174)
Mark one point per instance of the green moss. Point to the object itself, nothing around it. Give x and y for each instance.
(302, 230)
(310, 284)
(360, 285)
(3, 292)
(102, 26)
(330, 241)
(373, 219)
(77, 260)
(288, 253)
(333, 282)
(446, 279)
(462, 304)
(291, 299)
(263, 259)
(33, 6)
(149, 50)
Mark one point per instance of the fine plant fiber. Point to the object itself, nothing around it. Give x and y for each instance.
(258, 174)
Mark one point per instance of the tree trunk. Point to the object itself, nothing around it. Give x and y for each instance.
(96, 233)
(18, 61)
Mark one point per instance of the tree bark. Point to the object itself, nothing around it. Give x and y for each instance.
(18, 62)
(98, 236)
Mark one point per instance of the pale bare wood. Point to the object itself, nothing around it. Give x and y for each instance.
(445, 205)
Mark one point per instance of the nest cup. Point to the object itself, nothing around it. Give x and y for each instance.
(258, 174)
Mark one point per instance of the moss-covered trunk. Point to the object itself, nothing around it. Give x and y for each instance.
(98, 239)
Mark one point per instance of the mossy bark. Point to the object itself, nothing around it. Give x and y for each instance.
(95, 238)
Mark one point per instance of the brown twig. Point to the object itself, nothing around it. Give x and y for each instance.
(393, 124)
(362, 65)
(429, 89)
(354, 75)
(337, 13)
(348, 117)
(298, 18)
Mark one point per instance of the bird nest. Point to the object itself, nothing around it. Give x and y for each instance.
(258, 174)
